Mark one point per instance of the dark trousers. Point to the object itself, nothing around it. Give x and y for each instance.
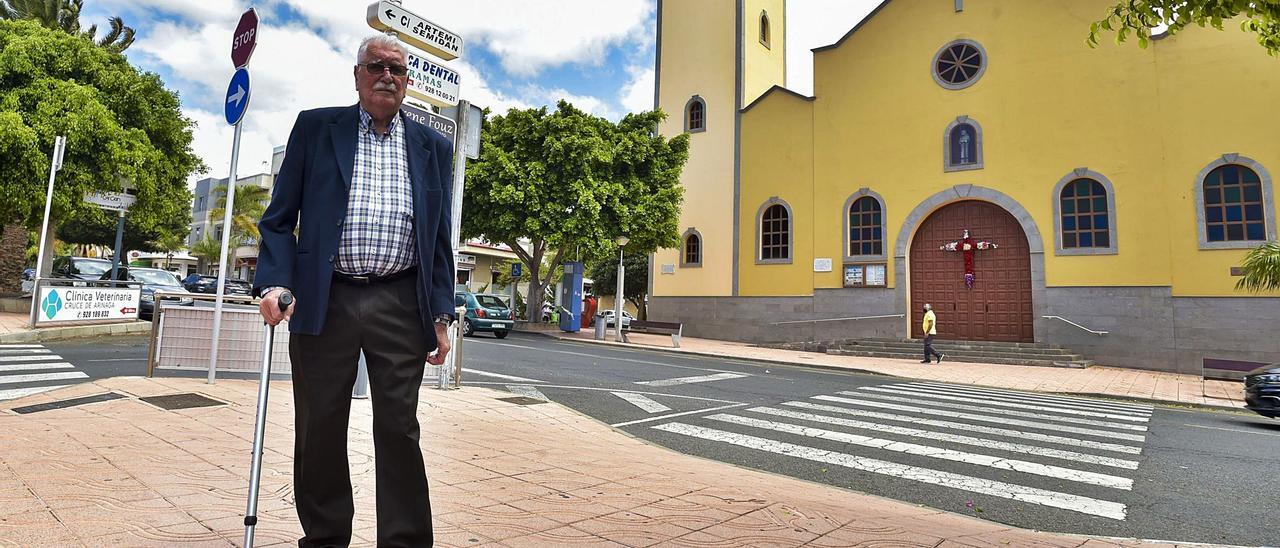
(928, 348)
(383, 320)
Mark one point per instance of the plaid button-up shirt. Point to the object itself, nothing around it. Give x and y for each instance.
(377, 235)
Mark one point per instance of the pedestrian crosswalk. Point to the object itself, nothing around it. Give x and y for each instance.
(27, 369)
(1055, 452)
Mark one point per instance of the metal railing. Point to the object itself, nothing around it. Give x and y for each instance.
(852, 318)
(1074, 324)
(181, 337)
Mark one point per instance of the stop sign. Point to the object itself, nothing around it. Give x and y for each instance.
(245, 38)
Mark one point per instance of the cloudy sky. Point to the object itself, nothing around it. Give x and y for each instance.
(597, 54)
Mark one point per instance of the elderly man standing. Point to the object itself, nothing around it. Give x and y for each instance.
(371, 269)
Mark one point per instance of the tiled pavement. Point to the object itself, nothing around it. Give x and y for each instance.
(126, 473)
(12, 322)
(1096, 380)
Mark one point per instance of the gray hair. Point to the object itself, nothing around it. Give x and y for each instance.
(384, 41)
(928, 306)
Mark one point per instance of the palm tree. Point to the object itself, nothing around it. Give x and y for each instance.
(250, 203)
(170, 243)
(1261, 269)
(207, 250)
(64, 15)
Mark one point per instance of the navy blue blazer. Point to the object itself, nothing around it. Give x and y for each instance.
(315, 181)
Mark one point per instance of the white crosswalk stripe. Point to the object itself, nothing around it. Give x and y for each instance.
(1056, 452)
(936, 396)
(917, 400)
(497, 375)
(692, 380)
(1033, 436)
(1031, 398)
(35, 366)
(642, 401)
(44, 357)
(953, 438)
(1039, 397)
(28, 369)
(1086, 505)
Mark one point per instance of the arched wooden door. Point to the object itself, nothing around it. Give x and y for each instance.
(998, 308)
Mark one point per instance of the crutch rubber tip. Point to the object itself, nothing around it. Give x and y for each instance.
(250, 521)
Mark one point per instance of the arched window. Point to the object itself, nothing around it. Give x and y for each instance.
(864, 226)
(962, 145)
(774, 223)
(691, 256)
(695, 115)
(764, 29)
(1084, 209)
(1234, 204)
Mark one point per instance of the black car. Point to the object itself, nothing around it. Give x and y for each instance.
(1262, 390)
(204, 283)
(152, 280)
(80, 268)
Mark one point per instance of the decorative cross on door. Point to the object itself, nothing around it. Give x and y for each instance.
(967, 246)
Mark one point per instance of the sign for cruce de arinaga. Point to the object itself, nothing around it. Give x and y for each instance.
(432, 82)
(78, 304)
(415, 30)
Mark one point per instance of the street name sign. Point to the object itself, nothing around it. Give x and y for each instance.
(110, 201)
(415, 30)
(432, 82)
(245, 38)
(441, 124)
(77, 304)
(237, 97)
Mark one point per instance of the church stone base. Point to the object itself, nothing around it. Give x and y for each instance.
(1148, 328)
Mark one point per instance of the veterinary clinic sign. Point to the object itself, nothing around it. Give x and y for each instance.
(81, 304)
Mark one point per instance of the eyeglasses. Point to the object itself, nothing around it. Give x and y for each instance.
(377, 68)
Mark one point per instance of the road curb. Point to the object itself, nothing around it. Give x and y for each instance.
(76, 332)
(1202, 406)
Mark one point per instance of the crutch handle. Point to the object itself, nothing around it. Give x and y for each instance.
(285, 300)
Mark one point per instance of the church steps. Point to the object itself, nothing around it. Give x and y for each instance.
(1004, 353)
(947, 346)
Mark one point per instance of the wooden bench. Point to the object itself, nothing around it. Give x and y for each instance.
(675, 329)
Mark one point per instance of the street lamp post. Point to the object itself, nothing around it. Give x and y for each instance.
(617, 297)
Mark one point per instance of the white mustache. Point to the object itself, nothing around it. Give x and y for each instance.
(382, 86)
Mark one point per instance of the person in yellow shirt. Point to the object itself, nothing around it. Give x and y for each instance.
(930, 329)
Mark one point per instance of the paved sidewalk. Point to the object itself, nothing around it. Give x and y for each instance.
(1095, 380)
(127, 473)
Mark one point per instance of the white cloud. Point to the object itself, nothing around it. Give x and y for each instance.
(637, 95)
(816, 23)
(526, 36)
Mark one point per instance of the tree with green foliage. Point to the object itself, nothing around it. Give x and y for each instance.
(1261, 269)
(1138, 17)
(635, 285)
(121, 124)
(569, 182)
(250, 203)
(170, 244)
(64, 15)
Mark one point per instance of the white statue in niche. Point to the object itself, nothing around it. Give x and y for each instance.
(966, 154)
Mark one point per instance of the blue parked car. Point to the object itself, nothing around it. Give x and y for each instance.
(485, 312)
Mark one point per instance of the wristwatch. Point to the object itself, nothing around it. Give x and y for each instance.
(443, 319)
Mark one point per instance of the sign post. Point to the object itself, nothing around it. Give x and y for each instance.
(59, 148)
(243, 42)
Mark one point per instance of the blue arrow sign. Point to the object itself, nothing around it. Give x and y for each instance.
(237, 97)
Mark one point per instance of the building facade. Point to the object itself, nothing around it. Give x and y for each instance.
(1109, 190)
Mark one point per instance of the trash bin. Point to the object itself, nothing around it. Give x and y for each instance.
(600, 327)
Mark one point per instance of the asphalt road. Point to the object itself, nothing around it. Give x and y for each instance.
(1054, 463)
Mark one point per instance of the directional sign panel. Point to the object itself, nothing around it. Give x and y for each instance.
(110, 201)
(444, 125)
(419, 32)
(432, 82)
(237, 97)
(245, 38)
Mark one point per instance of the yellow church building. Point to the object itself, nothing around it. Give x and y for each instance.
(978, 156)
